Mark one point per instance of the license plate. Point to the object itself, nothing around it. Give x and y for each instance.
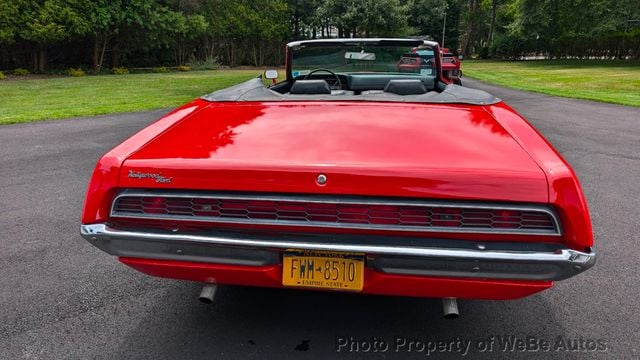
(327, 270)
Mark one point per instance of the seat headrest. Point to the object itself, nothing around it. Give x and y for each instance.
(405, 87)
(310, 87)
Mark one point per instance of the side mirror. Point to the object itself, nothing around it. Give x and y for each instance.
(271, 74)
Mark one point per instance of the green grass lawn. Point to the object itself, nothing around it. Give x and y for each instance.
(24, 100)
(615, 82)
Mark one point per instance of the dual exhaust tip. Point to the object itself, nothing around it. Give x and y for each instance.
(449, 305)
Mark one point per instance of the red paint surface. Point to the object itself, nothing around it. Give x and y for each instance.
(427, 151)
(104, 181)
(374, 282)
(381, 149)
(565, 192)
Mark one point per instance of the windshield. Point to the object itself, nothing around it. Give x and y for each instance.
(362, 59)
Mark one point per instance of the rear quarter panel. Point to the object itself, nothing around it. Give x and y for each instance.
(104, 181)
(565, 192)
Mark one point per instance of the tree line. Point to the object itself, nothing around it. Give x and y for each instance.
(552, 28)
(102, 34)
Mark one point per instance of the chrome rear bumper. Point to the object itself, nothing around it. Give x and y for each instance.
(446, 258)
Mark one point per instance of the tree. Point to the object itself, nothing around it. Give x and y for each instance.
(492, 27)
(49, 22)
(378, 18)
(366, 17)
(264, 28)
(195, 26)
(426, 17)
(473, 16)
(302, 14)
(107, 17)
(9, 21)
(332, 11)
(249, 32)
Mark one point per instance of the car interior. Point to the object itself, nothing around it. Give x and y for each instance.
(356, 70)
(358, 84)
(360, 67)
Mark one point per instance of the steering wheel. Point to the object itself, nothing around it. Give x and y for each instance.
(334, 85)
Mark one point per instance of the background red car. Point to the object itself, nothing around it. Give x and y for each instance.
(451, 66)
(410, 63)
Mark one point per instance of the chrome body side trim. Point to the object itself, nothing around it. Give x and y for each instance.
(409, 260)
(350, 200)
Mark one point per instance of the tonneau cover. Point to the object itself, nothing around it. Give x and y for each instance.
(255, 90)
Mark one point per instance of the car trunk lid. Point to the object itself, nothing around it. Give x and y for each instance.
(378, 149)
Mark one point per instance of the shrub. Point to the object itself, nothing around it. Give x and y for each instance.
(184, 68)
(507, 46)
(75, 72)
(484, 53)
(160, 69)
(1, 75)
(21, 72)
(209, 63)
(120, 70)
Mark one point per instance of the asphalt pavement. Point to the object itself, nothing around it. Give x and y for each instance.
(61, 298)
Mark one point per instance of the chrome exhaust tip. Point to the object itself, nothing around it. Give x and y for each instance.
(207, 293)
(450, 308)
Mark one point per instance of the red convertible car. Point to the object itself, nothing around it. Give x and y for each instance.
(451, 66)
(347, 176)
